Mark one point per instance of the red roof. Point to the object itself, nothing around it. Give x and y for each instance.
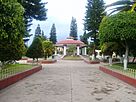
(70, 41)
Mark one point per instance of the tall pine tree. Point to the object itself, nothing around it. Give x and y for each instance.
(43, 36)
(73, 28)
(34, 9)
(94, 15)
(53, 37)
(83, 38)
(38, 32)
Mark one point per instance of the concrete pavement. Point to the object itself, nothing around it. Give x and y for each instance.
(69, 81)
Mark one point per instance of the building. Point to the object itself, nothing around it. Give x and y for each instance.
(63, 45)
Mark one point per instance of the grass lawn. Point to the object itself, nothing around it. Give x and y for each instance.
(131, 71)
(72, 58)
(11, 69)
(130, 66)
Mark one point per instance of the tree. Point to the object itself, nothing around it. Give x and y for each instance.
(43, 36)
(119, 28)
(93, 18)
(84, 38)
(108, 48)
(38, 32)
(73, 28)
(36, 49)
(122, 5)
(132, 48)
(48, 48)
(71, 50)
(53, 37)
(11, 31)
(34, 9)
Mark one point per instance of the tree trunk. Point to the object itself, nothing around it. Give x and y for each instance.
(133, 59)
(126, 58)
(121, 59)
(3, 64)
(94, 47)
(110, 61)
(94, 51)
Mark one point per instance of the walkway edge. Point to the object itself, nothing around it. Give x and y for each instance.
(89, 61)
(122, 77)
(15, 78)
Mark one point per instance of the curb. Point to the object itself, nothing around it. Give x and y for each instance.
(122, 77)
(43, 61)
(92, 62)
(15, 78)
(48, 62)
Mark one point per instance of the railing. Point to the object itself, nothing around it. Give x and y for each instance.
(129, 72)
(7, 72)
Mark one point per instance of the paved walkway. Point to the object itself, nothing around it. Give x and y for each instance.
(69, 81)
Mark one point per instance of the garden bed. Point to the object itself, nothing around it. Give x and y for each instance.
(16, 77)
(43, 61)
(119, 75)
(87, 60)
(92, 62)
(120, 66)
(72, 58)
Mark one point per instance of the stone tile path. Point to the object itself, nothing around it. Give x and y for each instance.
(69, 81)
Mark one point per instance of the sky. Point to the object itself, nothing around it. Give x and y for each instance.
(60, 12)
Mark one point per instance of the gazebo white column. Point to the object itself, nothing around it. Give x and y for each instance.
(78, 50)
(55, 50)
(98, 53)
(64, 50)
(85, 51)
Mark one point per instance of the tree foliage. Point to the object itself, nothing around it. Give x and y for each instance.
(108, 48)
(36, 49)
(38, 31)
(93, 18)
(132, 48)
(84, 38)
(43, 36)
(122, 5)
(73, 28)
(53, 37)
(48, 48)
(71, 50)
(119, 28)
(34, 9)
(11, 31)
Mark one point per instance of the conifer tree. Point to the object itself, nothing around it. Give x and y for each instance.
(38, 32)
(53, 37)
(93, 18)
(36, 49)
(83, 38)
(43, 36)
(73, 28)
(34, 9)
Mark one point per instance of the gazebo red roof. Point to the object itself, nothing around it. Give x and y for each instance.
(70, 41)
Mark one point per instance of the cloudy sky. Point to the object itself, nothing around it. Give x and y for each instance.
(60, 12)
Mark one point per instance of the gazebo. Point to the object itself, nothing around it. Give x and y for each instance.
(63, 45)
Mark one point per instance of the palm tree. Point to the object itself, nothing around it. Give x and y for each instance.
(122, 5)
